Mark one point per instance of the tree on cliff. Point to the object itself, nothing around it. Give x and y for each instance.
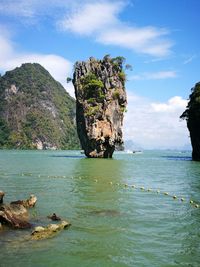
(192, 116)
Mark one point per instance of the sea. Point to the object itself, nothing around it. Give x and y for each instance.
(136, 209)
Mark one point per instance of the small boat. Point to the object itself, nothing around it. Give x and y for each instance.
(137, 151)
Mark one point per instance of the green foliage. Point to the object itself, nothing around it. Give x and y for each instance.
(123, 109)
(128, 67)
(116, 94)
(92, 87)
(107, 57)
(192, 111)
(122, 76)
(118, 62)
(91, 100)
(41, 109)
(69, 79)
(4, 132)
(91, 111)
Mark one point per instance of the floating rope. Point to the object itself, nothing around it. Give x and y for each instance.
(192, 203)
(174, 197)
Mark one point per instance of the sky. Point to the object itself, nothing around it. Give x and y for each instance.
(160, 39)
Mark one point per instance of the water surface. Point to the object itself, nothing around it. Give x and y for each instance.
(113, 224)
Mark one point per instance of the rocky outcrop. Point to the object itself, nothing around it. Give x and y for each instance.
(100, 105)
(15, 214)
(48, 231)
(192, 116)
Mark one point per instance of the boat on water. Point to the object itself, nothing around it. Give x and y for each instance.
(136, 151)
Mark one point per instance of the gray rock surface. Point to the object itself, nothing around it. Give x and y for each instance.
(100, 105)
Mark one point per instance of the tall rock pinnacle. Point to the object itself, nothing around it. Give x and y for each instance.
(100, 105)
(192, 116)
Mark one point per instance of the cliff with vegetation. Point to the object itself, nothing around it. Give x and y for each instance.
(192, 116)
(100, 104)
(35, 111)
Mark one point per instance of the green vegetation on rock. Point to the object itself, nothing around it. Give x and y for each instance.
(35, 110)
(92, 87)
(192, 116)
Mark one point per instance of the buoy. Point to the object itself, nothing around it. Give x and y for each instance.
(117, 184)
(126, 185)
(149, 190)
(96, 180)
(158, 191)
(133, 186)
(174, 197)
(142, 188)
(182, 199)
(111, 183)
(191, 201)
(166, 194)
(196, 205)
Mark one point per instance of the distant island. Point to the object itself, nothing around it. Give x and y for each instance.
(36, 112)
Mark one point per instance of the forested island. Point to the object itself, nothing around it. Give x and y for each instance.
(36, 112)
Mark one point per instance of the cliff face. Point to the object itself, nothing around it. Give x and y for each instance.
(192, 116)
(100, 105)
(35, 111)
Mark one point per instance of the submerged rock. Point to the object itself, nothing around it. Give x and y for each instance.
(50, 230)
(54, 217)
(100, 105)
(111, 213)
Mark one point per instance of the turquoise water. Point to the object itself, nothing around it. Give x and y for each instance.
(112, 224)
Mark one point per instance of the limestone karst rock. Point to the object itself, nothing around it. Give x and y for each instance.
(36, 112)
(192, 116)
(100, 104)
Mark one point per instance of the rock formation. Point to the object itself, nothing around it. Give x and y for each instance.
(36, 112)
(100, 105)
(15, 214)
(192, 116)
(48, 231)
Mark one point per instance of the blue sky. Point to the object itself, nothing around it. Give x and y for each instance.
(160, 39)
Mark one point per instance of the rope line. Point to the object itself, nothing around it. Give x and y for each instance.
(192, 203)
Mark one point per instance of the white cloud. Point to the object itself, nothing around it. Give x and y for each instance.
(173, 104)
(102, 21)
(33, 8)
(90, 18)
(155, 125)
(147, 40)
(99, 19)
(154, 75)
(57, 66)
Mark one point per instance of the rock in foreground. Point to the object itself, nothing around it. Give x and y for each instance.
(100, 105)
(50, 230)
(15, 214)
